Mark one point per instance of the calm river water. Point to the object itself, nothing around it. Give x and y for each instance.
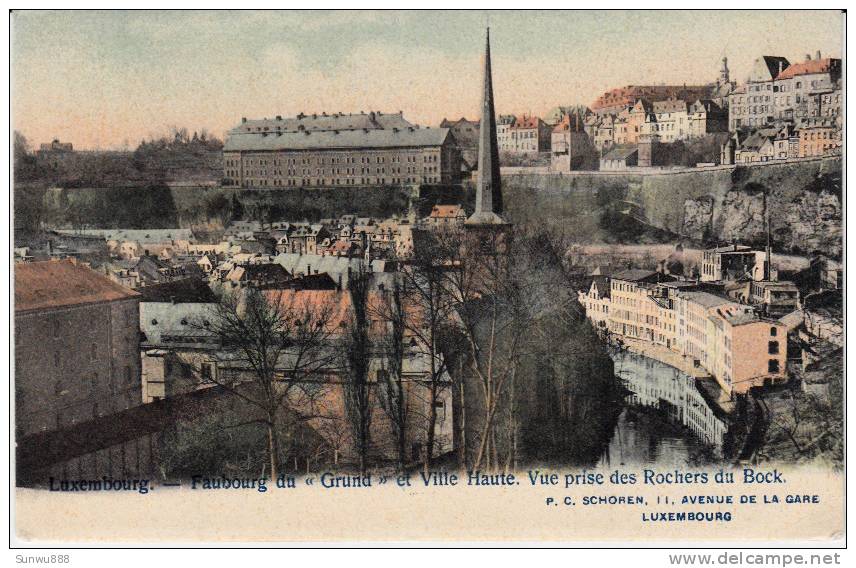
(665, 420)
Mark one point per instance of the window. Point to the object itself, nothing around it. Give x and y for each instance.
(93, 352)
(773, 332)
(773, 366)
(773, 347)
(208, 372)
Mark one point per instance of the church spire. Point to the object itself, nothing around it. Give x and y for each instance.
(489, 186)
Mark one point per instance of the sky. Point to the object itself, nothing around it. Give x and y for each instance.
(111, 79)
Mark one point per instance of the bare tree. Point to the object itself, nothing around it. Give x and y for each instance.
(356, 360)
(430, 322)
(491, 307)
(392, 392)
(273, 352)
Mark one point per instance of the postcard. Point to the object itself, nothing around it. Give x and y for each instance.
(428, 277)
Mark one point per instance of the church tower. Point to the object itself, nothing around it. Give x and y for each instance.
(724, 75)
(488, 209)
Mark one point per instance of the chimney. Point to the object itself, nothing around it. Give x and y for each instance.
(817, 54)
(243, 119)
(808, 57)
(781, 67)
(279, 117)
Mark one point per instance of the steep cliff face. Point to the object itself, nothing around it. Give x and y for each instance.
(741, 217)
(698, 217)
(704, 206)
(813, 222)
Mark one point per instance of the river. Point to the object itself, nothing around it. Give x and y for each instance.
(665, 420)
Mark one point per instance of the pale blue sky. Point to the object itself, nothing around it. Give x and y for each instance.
(100, 78)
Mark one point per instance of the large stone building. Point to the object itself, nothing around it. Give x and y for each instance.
(55, 153)
(778, 90)
(739, 347)
(614, 101)
(525, 135)
(76, 346)
(170, 319)
(731, 262)
(339, 150)
(570, 147)
(466, 134)
(503, 127)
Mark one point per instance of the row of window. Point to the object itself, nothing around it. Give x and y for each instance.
(329, 160)
(324, 182)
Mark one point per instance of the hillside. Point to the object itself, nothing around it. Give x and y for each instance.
(699, 207)
(705, 207)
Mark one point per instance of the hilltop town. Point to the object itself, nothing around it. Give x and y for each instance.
(443, 330)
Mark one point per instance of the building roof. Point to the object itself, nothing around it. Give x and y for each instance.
(777, 285)
(633, 274)
(740, 318)
(331, 306)
(557, 113)
(339, 268)
(187, 291)
(574, 122)
(373, 120)
(445, 123)
(321, 281)
(51, 284)
(625, 96)
(343, 139)
(485, 218)
(258, 272)
(755, 142)
(810, 66)
(704, 105)
(705, 299)
(793, 320)
(669, 105)
(601, 283)
(773, 63)
(527, 122)
(446, 211)
(142, 236)
(731, 248)
(620, 152)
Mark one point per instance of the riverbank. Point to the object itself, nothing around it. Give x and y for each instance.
(705, 383)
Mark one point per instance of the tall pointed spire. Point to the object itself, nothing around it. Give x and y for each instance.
(489, 188)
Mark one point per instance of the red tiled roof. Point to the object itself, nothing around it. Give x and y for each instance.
(333, 307)
(51, 284)
(526, 122)
(568, 122)
(629, 94)
(807, 67)
(445, 211)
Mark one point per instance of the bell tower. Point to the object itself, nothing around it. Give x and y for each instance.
(488, 210)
